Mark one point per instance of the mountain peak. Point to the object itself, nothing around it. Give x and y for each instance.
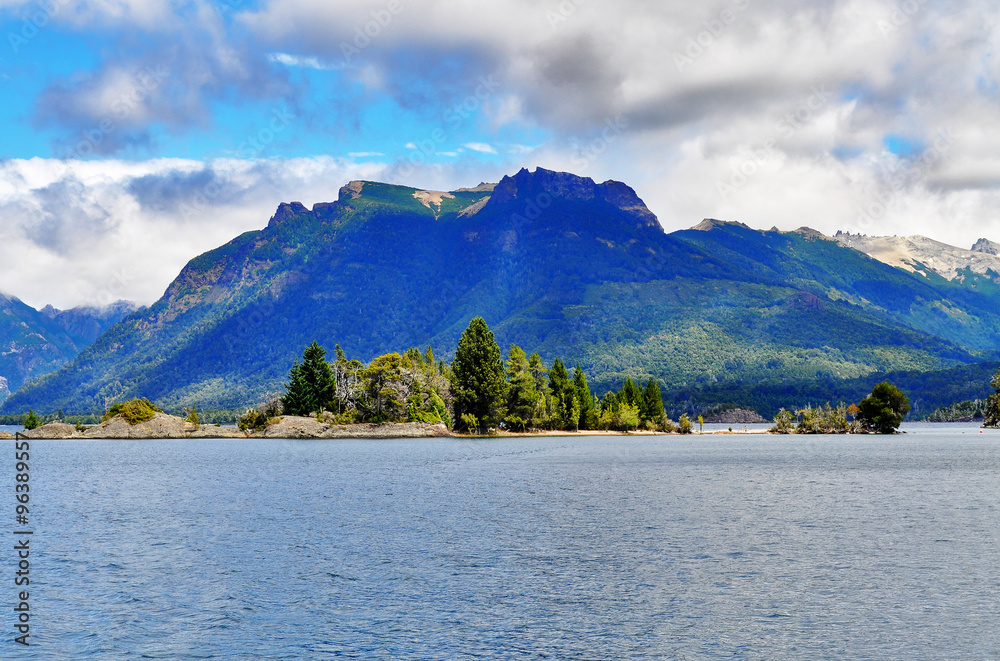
(709, 224)
(528, 186)
(986, 246)
(285, 211)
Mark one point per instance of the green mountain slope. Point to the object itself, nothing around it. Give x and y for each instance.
(554, 262)
(34, 343)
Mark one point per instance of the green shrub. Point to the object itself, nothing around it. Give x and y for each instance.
(666, 425)
(133, 411)
(253, 420)
(471, 422)
(685, 424)
(31, 420)
(783, 422)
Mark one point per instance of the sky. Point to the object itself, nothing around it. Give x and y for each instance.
(141, 133)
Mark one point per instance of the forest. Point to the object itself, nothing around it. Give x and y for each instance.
(477, 392)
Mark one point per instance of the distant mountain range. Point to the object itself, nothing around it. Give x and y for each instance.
(36, 342)
(557, 263)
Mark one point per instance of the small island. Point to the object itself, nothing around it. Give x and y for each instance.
(413, 395)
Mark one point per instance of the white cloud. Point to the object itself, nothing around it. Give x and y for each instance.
(767, 113)
(481, 147)
(90, 232)
(304, 62)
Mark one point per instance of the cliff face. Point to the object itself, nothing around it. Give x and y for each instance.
(534, 186)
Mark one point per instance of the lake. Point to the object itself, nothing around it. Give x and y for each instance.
(728, 547)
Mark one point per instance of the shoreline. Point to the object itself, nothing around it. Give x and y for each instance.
(167, 427)
(164, 426)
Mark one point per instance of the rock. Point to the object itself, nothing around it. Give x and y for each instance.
(161, 426)
(213, 431)
(168, 426)
(389, 430)
(52, 430)
(737, 416)
(293, 426)
(6, 436)
(297, 427)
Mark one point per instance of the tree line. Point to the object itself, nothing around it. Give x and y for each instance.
(478, 391)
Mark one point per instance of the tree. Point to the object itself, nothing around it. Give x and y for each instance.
(385, 389)
(631, 394)
(783, 422)
(479, 384)
(563, 395)
(629, 416)
(882, 411)
(992, 418)
(31, 420)
(684, 424)
(585, 399)
(522, 390)
(310, 385)
(539, 373)
(652, 400)
(193, 415)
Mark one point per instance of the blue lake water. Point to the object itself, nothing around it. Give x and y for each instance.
(728, 547)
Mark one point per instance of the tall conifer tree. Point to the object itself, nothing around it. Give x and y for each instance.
(479, 384)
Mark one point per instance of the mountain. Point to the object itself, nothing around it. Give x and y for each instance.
(986, 246)
(34, 343)
(555, 262)
(976, 268)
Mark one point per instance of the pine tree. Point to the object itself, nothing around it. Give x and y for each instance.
(543, 415)
(522, 391)
(585, 400)
(479, 385)
(652, 401)
(310, 384)
(562, 395)
(630, 394)
(31, 420)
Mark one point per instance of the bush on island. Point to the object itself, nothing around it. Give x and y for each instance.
(685, 424)
(133, 411)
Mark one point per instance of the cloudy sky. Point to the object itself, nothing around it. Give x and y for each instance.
(140, 133)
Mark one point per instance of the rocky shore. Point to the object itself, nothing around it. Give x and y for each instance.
(164, 426)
